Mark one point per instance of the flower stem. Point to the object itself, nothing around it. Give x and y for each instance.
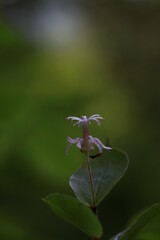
(93, 206)
(91, 182)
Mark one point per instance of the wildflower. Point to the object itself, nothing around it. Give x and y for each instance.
(86, 143)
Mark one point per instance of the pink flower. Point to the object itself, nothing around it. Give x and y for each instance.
(86, 143)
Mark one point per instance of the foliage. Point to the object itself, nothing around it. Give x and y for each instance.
(106, 172)
(72, 211)
(144, 226)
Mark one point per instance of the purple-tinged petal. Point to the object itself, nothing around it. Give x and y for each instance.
(94, 115)
(74, 118)
(77, 123)
(69, 145)
(101, 144)
(71, 141)
(79, 144)
(98, 146)
(96, 120)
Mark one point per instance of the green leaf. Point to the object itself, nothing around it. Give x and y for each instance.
(74, 212)
(106, 172)
(145, 226)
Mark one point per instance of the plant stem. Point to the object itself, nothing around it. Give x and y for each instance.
(93, 206)
(91, 182)
(94, 210)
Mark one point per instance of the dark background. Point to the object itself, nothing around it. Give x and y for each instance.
(64, 58)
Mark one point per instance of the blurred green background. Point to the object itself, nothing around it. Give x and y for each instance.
(64, 58)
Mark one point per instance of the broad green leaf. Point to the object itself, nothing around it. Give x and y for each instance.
(106, 171)
(74, 212)
(145, 226)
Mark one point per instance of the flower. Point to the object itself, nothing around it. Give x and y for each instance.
(86, 143)
(83, 120)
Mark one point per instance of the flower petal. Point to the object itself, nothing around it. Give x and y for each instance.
(77, 123)
(69, 145)
(94, 115)
(101, 144)
(74, 118)
(96, 120)
(79, 144)
(71, 141)
(98, 146)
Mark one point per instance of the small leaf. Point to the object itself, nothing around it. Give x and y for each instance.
(106, 171)
(145, 226)
(74, 212)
